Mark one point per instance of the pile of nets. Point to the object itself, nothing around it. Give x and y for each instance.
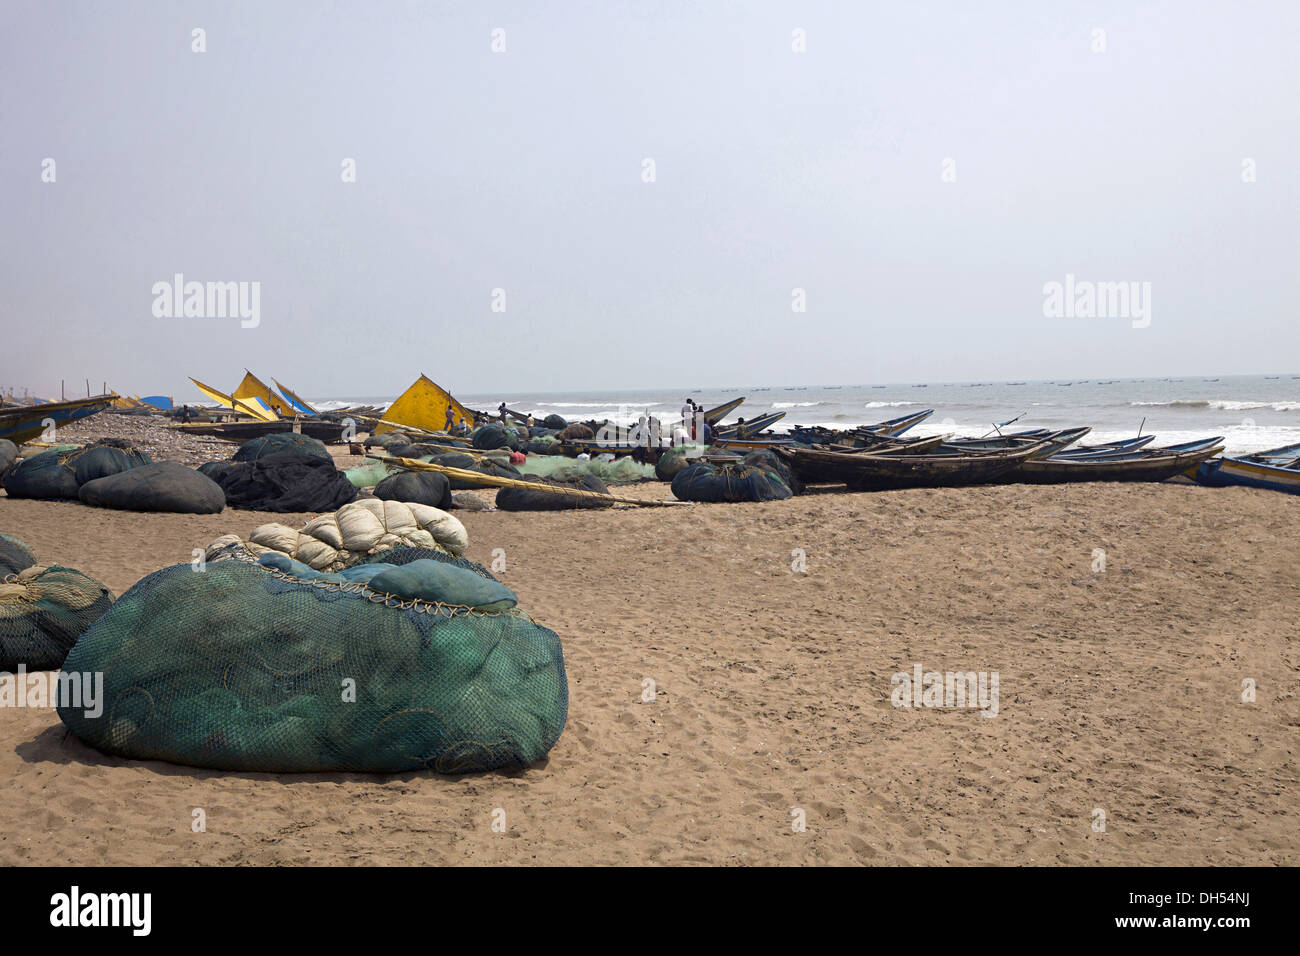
(576, 432)
(620, 471)
(770, 461)
(703, 481)
(281, 441)
(8, 455)
(14, 555)
(60, 472)
(675, 459)
(352, 534)
(494, 436)
(368, 474)
(526, 499)
(386, 439)
(283, 481)
(43, 610)
(163, 486)
(422, 487)
(250, 667)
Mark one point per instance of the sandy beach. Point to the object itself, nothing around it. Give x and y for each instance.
(1120, 690)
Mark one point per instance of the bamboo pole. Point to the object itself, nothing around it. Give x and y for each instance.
(494, 481)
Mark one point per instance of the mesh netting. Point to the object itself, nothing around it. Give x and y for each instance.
(706, 482)
(42, 612)
(241, 667)
(14, 555)
(281, 441)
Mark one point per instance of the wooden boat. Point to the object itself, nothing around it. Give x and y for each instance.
(424, 406)
(252, 409)
(1146, 464)
(1107, 449)
(239, 432)
(754, 427)
(746, 445)
(299, 405)
(875, 471)
(254, 391)
(861, 435)
(1277, 469)
(1058, 442)
(19, 423)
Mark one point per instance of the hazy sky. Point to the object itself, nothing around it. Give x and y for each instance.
(523, 170)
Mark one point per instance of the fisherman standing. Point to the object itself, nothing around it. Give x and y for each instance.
(450, 423)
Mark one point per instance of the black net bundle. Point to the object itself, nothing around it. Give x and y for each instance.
(527, 499)
(281, 441)
(283, 482)
(740, 482)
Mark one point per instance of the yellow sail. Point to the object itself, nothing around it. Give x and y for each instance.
(127, 402)
(294, 400)
(254, 390)
(232, 403)
(424, 405)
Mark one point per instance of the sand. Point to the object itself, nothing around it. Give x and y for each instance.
(1119, 690)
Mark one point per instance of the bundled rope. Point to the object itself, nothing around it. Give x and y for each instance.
(493, 481)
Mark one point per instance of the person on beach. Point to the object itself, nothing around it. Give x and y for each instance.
(450, 422)
(741, 429)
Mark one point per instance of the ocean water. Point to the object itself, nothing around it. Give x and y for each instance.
(1251, 412)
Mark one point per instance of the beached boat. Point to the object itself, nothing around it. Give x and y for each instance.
(825, 465)
(20, 423)
(424, 406)
(253, 409)
(754, 427)
(874, 471)
(300, 405)
(1146, 464)
(1277, 469)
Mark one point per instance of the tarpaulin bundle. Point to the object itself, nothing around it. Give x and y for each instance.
(281, 441)
(43, 610)
(383, 668)
(284, 482)
(525, 499)
(352, 534)
(705, 482)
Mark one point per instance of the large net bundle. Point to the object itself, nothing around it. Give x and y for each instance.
(621, 471)
(705, 482)
(163, 486)
(675, 459)
(14, 555)
(423, 487)
(769, 461)
(60, 472)
(494, 436)
(247, 667)
(576, 432)
(281, 441)
(527, 499)
(354, 533)
(367, 474)
(284, 482)
(387, 438)
(8, 455)
(555, 422)
(42, 612)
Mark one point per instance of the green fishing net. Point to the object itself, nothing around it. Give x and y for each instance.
(243, 667)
